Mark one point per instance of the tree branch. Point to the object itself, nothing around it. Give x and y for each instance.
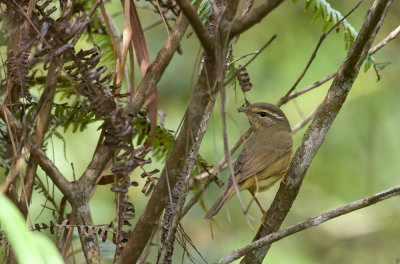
(43, 119)
(242, 24)
(314, 54)
(319, 127)
(385, 41)
(51, 170)
(310, 222)
(197, 25)
(173, 212)
(284, 99)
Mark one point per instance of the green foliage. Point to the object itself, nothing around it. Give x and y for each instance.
(321, 9)
(77, 115)
(105, 44)
(231, 75)
(3, 142)
(162, 142)
(163, 139)
(204, 11)
(330, 16)
(202, 165)
(28, 247)
(368, 62)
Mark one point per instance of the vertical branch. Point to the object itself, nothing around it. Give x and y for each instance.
(83, 217)
(174, 209)
(319, 127)
(43, 120)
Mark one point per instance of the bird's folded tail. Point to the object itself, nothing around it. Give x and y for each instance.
(229, 192)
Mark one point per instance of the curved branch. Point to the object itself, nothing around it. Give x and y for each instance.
(242, 24)
(197, 25)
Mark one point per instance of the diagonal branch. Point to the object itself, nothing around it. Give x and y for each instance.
(386, 40)
(312, 221)
(314, 54)
(242, 24)
(286, 98)
(51, 170)
(42, 123)
(319, 127)
(197, 25)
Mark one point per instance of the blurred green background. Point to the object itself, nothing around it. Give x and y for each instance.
(360, 155)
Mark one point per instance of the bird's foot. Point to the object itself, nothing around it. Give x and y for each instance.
(264, 219)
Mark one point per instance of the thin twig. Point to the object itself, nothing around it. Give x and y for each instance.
(312, 221)
(256, 53)
(242, 57)
(305, 121)
(321, 39)
(157, 22)
(284, 99)
(385, 41)
(162, 16)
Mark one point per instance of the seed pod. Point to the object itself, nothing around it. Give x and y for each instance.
(243, 78)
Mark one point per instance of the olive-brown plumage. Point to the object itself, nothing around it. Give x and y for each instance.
(265, 155)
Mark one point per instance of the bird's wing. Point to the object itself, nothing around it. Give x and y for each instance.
(265, 149)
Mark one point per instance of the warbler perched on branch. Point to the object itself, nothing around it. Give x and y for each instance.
(265, 155)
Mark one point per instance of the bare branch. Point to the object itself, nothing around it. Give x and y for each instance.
(197, 25)
(319, 127)
(314, 54)
(42, 123)
(305, 121)
(173, 212)
(313, 221)
(254, 56)
(389, 38)
(157, 68)
(242, 24)
(284, 99)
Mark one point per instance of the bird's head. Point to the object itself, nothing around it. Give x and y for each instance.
(265, 115)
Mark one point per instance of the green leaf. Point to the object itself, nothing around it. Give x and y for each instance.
(307, 5)
(382, 65)
(367, 63)
(28, 247)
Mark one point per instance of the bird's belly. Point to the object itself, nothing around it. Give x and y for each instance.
(263, 184)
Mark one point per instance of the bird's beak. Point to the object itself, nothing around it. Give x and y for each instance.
(245, 110)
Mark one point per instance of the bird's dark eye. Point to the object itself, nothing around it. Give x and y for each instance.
(263, 114)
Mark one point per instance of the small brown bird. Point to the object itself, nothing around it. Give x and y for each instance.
(265, 156)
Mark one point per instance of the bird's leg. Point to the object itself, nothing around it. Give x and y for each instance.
(284, 176)
(264, 213)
